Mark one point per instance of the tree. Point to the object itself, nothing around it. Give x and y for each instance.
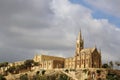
(11, 69)
(20, 67)
(117, 63)
(63, 77)
(112, 76)
(105, 66)
(4, 64)
(2, 77)
(66, 70)
(37, 76)
(17, 68)
(36, 63)
(28, 63)
(24, 77)
(43, 72)
(111, 64)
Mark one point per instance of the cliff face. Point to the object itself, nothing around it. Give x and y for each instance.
(49, 75)
(113, 74)
(116, 72)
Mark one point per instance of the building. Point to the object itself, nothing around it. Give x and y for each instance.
(49, 62)
(16, 63)
(84, 58)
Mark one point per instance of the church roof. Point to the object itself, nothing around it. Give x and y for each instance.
(88, 50)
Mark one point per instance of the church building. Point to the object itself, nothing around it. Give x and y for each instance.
(83, 58)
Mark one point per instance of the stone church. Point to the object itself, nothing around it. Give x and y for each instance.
(84, 58)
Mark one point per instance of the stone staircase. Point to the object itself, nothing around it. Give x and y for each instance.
(72, 75)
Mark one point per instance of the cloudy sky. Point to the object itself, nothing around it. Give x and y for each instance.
(29, 27)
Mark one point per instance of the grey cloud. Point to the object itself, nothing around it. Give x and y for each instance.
(34, 26)
(14, 54)
(24, 13)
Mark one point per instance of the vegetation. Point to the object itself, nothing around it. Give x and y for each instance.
(63, 77)
(85, 70)
(43, 72)
(72, 69)
(36, 63)
(66, 70)
(16, 69)
(112, 76)
(2, 77)
(98, 71)
(52, 76)
(105, 66)
(21, 67)
(11, 69)
(39, 77)
(28, 63)
(24, 77)
(111, 64)
(117, 63)
(3, 64)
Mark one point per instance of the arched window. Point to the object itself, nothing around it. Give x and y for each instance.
(77, 45)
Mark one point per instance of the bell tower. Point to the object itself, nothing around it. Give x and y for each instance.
(79, 43)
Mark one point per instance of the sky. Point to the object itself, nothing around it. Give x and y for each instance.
(30, 27)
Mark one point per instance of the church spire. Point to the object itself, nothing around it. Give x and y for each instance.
(79, 43)
(79, 35)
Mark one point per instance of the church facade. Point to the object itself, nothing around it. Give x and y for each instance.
(83, 58)
(49, 62)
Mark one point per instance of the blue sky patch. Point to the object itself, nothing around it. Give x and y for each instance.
(98, 14)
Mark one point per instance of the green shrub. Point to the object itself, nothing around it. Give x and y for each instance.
(67, 70)
(112, 76)
(98, 71)
(4, 64)
(24, 77)
(2, 77)
(85, 70)
(63, 77)
(11, 69)
(43, 72)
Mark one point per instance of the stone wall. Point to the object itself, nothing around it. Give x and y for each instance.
(91, 74)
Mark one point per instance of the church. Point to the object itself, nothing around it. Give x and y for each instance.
(83, 58)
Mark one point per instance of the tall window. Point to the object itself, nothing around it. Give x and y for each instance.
(77, 45)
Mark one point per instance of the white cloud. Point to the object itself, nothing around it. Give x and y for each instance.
(96, 31)
(109, 6)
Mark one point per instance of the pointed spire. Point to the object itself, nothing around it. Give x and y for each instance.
(80, 35)
(100, 51)
(79, 43)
